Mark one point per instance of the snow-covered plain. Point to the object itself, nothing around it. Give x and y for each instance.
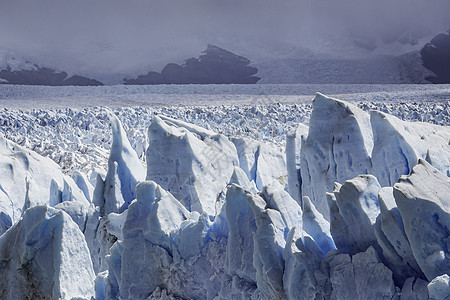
(25, 97)
(225, 192)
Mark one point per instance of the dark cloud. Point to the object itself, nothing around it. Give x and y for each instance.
(104, 36)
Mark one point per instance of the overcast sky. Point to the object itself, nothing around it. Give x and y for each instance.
(133, 36)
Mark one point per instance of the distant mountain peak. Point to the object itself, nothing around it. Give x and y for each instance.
(214, 66)
(15, 69)
(436, 57)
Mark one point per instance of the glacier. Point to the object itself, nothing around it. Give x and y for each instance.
(354, 207)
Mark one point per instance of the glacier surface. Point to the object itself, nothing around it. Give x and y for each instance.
(353, 205)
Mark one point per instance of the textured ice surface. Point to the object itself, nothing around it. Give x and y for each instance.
(150, 224)
(29, 179)
(391, 237)
(240, 244)
(414, 289)
(45, 255)
(317, 228)
(130, 170)
(337, 148)
(293, 148)
(65, 125)
(298, 279)
(240, 178)
(277, 198)
(236, 229)
(262, 163)
(439, 288)
(344, 141)
(358, 206)
(422, 198)
(192, 163)
(339, 229)
(361, 277)
(125, 170)
(269, 243)
(399, 145)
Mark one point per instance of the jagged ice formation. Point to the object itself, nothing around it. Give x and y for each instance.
(355, 208)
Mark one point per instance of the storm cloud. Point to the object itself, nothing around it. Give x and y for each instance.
(131, 37)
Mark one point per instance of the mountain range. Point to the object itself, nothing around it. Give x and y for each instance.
(362, 61)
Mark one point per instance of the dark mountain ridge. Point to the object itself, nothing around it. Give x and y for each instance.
(436, 57)
(44, 76)
(214, 66)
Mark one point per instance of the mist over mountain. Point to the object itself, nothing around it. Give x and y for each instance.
(112, 40)
(214, 66)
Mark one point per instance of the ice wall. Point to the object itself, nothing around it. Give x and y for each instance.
(192, 163)
(45, 256)
(337, 148)
(344, 142)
